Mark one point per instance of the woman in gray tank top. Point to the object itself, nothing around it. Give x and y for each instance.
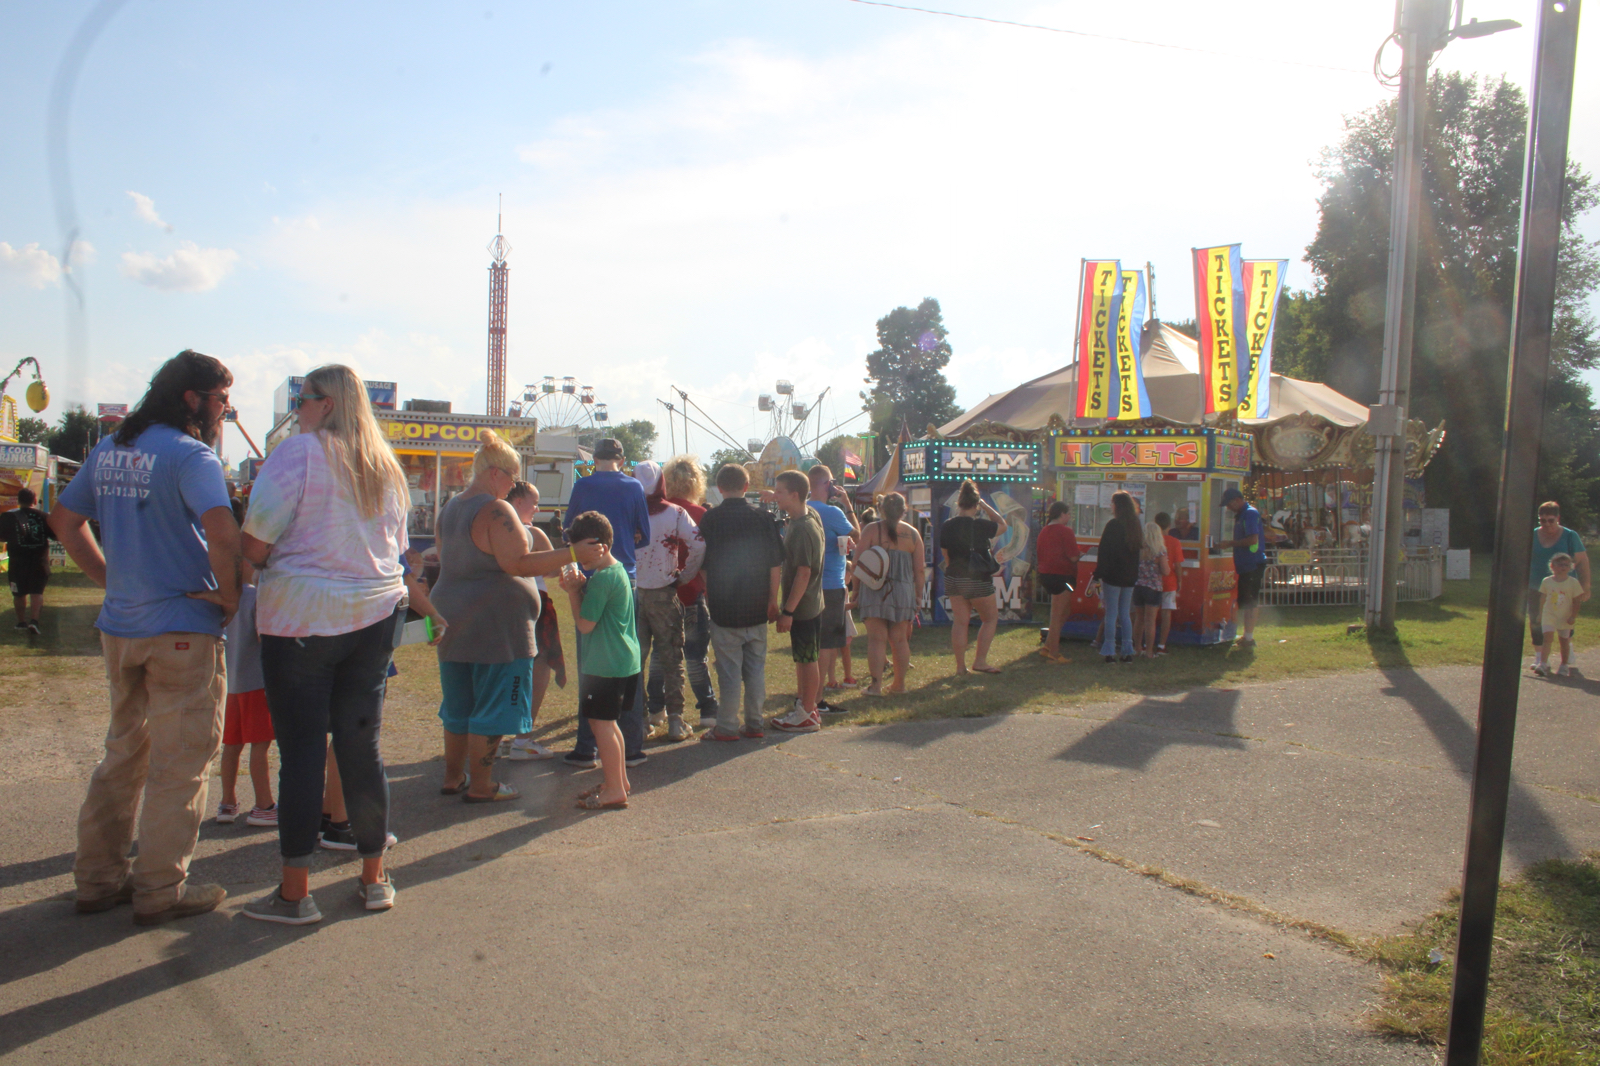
(487, 593)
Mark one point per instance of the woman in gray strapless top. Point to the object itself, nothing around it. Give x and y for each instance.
(487, 593)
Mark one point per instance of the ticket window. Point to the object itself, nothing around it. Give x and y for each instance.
(422, 481)
(1221, 527)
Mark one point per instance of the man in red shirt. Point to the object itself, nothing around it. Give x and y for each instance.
(685, 483)
(1169, 584)
(1057, 556)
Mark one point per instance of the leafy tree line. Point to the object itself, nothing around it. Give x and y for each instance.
(71, 437)
(1466, 273)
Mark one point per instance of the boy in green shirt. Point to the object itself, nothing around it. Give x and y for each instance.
(602, 610)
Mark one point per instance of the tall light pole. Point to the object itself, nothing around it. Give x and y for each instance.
(1422, 28)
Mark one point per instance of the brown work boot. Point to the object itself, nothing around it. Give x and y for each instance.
(196, 899)
(105, 903)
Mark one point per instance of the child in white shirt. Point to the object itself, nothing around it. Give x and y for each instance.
(1559, 596)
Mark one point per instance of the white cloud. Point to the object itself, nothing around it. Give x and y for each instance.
(36, 267)
(29, 265)
(145, 208)
(189, 269)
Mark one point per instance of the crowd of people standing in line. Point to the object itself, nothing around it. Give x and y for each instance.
(313, 583)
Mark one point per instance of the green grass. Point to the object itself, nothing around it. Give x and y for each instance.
(1544, 987)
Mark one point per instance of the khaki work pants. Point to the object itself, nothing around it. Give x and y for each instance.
(167, 695)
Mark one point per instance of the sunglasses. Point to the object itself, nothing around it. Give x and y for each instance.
(1549, 518)
(305, 398)
(220, 397)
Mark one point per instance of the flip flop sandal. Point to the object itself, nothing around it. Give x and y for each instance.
(986, 669)
(502, 791)
(456, 790)
(592, 803)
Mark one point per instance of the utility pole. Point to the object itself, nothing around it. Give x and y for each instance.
(1533, 316)
(1422, 28)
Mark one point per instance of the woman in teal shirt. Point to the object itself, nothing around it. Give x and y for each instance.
(1550, 537)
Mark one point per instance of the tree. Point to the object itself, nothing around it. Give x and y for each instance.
(74, 435)
(831, 456)
(33, 431)
(725, 457)
(638, 438)
(907, 373)
(1472, 186)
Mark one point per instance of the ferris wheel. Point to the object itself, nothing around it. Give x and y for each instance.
(561, 403)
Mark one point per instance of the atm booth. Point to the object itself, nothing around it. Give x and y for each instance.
(1171, 469)
(1006, 473)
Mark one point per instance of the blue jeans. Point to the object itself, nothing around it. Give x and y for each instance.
(1119, 612)
(696, 642)
(632, 720)
(322, 685)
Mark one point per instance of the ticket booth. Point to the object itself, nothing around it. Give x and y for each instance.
(1005, 473)
(1178, 470)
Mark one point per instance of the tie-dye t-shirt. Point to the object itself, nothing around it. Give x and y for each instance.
(332, 569)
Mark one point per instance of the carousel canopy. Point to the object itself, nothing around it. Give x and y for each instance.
(1291, 396)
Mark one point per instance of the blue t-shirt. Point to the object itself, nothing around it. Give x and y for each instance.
(834, 525)
(621, 499)
(148, 500)
(1246, 522)
(1568, 542)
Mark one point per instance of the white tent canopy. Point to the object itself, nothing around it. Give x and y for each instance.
(1172, 378)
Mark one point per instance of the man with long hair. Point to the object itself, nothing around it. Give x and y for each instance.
(171, 571)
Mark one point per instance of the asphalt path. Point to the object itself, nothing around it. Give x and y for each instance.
(996, 889)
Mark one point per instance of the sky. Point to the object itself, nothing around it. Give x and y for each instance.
(706, 194)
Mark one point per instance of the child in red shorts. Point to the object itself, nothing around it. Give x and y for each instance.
(246, 719)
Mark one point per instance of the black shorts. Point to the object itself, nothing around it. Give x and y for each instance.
(832, 619)
(603, 699)
(1250, 588)
(28, 579)
(1146, 597)
(805, 639)
(1055, 584)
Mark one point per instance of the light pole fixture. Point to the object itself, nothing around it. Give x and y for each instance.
(1422, 28)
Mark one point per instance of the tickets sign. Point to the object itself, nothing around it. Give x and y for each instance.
(1101, 282)
(1218, 301)
(1263, 281)
(1176, 452)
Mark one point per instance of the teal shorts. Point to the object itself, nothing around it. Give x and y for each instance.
(487, 699)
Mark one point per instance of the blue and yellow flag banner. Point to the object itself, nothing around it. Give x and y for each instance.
(1218, 305)
(1130, 400)
(1263, 282)
(1102, 279)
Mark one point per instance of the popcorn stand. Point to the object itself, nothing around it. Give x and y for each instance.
(1173, 469)
(1005, 473)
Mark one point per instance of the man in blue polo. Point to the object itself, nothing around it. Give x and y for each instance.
(1247, 561)
(621, 499)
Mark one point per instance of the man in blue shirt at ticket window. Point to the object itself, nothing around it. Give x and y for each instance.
(1247, 561)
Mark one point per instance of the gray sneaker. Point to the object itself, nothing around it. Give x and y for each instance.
(378, 896)
(275, 908)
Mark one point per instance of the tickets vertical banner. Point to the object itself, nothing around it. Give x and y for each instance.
(1132, 399)
(1096, 329)
(1263, 282)
(1218, 302)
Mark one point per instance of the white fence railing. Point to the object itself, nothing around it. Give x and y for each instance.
(1323, 577)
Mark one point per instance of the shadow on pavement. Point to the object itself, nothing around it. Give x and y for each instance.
(1531, 835)
(1132, 740)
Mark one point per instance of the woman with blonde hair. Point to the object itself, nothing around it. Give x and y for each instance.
(487, 592)
(685, 481)
(890, 608)
(1153, 570)
(326, 529)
